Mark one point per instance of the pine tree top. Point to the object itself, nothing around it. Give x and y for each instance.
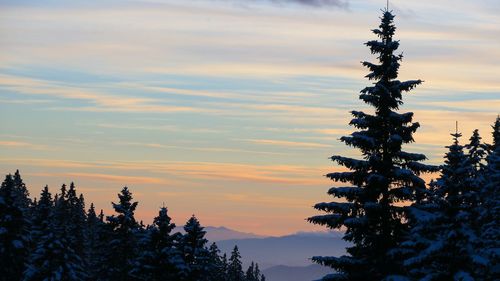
(91, 212)
(8, 186)
(496, 133)
(163, 221)
(193, 225)
(125, 204)
(454, 182)
(235, 255)
(45, 197)
(455, 156)
(125, 219)
(195, 233)
(63, 190)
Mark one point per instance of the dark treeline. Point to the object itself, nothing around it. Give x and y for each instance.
(54, 237)
(401, 228)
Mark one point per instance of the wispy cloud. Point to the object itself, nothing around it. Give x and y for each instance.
(167, 128)
(316, 3)
(287, 143)
(21, 144)
(312, 3)
(25, 101)
(259, 199)
(124, 180)
(324, 131)
(118, 178)
(102, 102)
(197, 148)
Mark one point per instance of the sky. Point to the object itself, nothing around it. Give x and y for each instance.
(226, 109)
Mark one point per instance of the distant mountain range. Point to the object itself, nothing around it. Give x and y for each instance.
(284, 258)
(218, 233)
(296, 273)
(290, 250)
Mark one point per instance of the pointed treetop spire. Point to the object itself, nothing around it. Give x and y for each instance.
(457, 134)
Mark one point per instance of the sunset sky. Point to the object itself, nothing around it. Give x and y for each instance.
(227, 109)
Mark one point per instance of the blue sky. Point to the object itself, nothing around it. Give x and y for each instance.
(226, 109)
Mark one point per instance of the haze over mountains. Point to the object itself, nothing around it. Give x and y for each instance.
(284, 258)
(290, 250)
(296, 273)
(218, 233)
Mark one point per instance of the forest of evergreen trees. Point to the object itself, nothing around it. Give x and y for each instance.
(401, 228)
(55, 238)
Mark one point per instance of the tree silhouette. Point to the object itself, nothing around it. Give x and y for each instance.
(369, 208)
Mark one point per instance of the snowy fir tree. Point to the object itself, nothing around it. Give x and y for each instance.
(160, 257)
(219, 266)
(76, 220)
(123, 243)
(14, 230)
(477, 152)
(96, 237)
(41, 211)
(443, 236)
(235, 269)
(369, 208)
(22, 194)
(196, 255)
(476, 156)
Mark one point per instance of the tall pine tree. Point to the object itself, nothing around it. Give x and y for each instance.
(14, 230)
(160, 257)
(443, 235)
(477, 152)
(76, 218)
(218, 269)
(225, 266)
(194, 249)
(97, 236)
(235, 269)
(22, 194)
(123, 242)
(369, 208)
(41, 212)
